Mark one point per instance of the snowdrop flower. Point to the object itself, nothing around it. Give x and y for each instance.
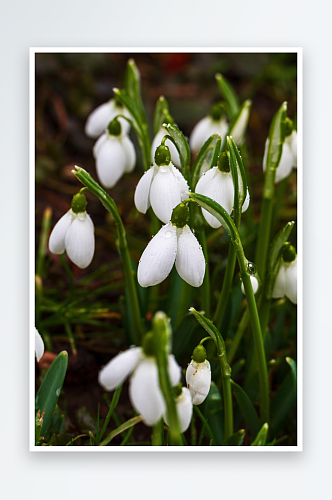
(99, 119)
(288, 158)
(74, 232)
(175, 157)
(163, 186)
(173, 243)
(198, 375)
(214, 123)
(254, 284)
(144, 390)
(114, 154)
(286, 280)
(217, 184)
(39, 345)
(184, 407)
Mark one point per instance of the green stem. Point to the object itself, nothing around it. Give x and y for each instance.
(111, 207)
(227, 392)
(112, 407)
(204, 290)
(238, 336)
(184, 303)
(158, 433)
(264, 235)
(43, 240)
(71, 338)
(226, 287)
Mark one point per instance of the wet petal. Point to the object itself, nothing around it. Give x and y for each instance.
(220, 188)
(80, 241)
(99, 119)
(164, 193)
(130, 153)
(119, 368)
(286, 163)
(246, 202)
(39, 345)
(190, 262)
(291, 281)
(293, 146)
(240, 126)
(99, 143)
(198, 377)
(182, 183)
(279, 284)
(144, 392)
(254, 284)
(142, 192)
(110, 162)
(57, 239)
(184, 408)
(203, 130)
(158, 258)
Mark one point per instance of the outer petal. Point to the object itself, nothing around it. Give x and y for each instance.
(164, 193)
(246, 202)
(142, 192)
(144, 392)
(125, 126)
(198, 377)
(119, 368)
(39, 345)
(130, 153)
(238, 132)
(156, 142)
(286, 163)
(57, 239)
(99, 119)
(279, 284)
(99, 143)
(206, 178)
(291, 281)
(174, 370)
(110, 161)
(158, 258)
(254, 284)
(221, 189)
(203, 130)
(80, 241)
(293, 146)
(182, 183)
(184, 408)
(190, 262)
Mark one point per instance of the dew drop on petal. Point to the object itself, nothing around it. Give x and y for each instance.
(168, 234)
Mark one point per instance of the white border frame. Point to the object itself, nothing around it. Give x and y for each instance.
(299, 52)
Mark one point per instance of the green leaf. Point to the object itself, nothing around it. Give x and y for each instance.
(113, 405)
(181, 144)
(211, 330)
(236, 439)
(247, 409)
(261, 437)
(293, 368)
(49, 391)
(240, 170)
(121, 428)
(215, 414)
(282, 403)
(238, 127)
(228, 94)
(133, 87)
(160, 112)
(274, 256)
(206, 158)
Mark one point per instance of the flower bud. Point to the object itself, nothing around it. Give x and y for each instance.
(198, 377)
(162, 155)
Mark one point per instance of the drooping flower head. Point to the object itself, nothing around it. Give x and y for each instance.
(198, 375)
(286, 281)
(214, 123)
(288, 159)
(162, 186)
(175, 157)
(184, 407)
(173, 243)
(74, 233)
(99, 119)
(114, 154)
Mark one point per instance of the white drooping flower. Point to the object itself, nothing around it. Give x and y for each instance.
(114, 154)
(184, 408)
(39, 345)
(172, 244)
(254, 284)
(162, 186)
(99, 119)
(198, 377)
(74, 233)
(144, 390)
(218, 186)
(205, 128)
(288, 159)
(175, 158)
(286, 281)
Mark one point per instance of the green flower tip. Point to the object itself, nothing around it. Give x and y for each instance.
(199, 354)
(288, 253)
(162, 155)
(78, 203)
(114, 127)
(180, 215)
(288, 126)
(222, 162)
(148, 344)
(177, 390)
(217, 111)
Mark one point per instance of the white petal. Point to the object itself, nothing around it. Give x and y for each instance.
(130, 153)
(80, 241)
(174, 152)
(39, 345)
(110, 161)
(293, 146)
(205, 179)
(184, 408)
(239, 128)
(57, 239)
(204, 129)
(144, 392)
(198, 377)
(291, 281)
(254, 284)
(158, 258)
(246, 202)
(142, 192)
(164, 193)
(99, 143)
(279, 284)
(266, 148)
(174, 370)
(119, 368)
(286, 163)
(190, 262)
(182, 183)
(125, 126)
(220, 188)
(99, 119)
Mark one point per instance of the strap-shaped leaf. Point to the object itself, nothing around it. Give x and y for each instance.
(228, 94)
(123, 427)
(211, 330)
(206, 158)
(282, 403)
(261, 437)
(247, 409)
(133, 88)
(236, 439)
(293, 368)
(180, 142)
(160, 113)
(49, 391)
(241, 173)
(275, 256)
